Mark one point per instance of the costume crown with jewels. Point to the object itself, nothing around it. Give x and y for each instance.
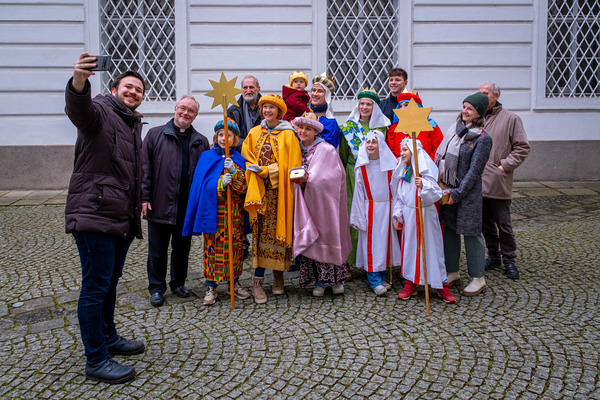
(370, 94)
(309, 119)
(326, 81)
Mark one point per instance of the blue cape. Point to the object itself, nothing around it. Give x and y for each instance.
(201, 213)
(331, 131)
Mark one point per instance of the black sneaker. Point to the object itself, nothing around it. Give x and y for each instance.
(181, 291)
(157, 299)
(491, 263)
(125, 347)
(109, 371)
(511, 271)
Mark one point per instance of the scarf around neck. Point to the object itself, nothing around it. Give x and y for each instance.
(449, 151)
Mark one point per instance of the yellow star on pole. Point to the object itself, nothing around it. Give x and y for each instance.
(224, 92)
(413, 118)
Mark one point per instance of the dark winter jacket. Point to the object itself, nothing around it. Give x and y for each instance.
(464, 216)
(236, 113)
(105, 188)
(388, 105)
(162, 171)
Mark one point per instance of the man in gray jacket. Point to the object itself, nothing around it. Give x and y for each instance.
(509, 150)
(103, 208)
(171, 152)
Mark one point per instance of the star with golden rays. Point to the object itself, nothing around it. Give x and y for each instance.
(224, 92)
(413, 118)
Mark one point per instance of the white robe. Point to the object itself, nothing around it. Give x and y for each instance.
(405, 211)
(373, 220)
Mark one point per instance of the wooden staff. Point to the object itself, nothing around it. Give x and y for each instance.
(420, 212)
(229, 211)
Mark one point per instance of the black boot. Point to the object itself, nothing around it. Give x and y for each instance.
(109, 371)
(125, 347)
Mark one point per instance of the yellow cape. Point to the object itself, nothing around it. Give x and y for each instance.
(288, 155)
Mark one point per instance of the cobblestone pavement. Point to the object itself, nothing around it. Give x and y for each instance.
(537, 337)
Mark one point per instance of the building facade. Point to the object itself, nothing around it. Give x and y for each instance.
(544, 55)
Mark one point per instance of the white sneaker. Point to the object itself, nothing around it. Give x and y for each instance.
(380, 290)
(240, 292)
(318, 291)
(338, 289)
(476, 286)
(387, 285)
(211, 296)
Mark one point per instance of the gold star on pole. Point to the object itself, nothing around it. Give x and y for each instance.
(413, 119)
(223, 92)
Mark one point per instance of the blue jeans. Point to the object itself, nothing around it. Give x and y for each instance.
(102, 260)
(376, 278)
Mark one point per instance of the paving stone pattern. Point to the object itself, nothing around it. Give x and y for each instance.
(534, 338)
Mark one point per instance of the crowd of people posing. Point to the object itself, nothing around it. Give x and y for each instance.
(328, 197)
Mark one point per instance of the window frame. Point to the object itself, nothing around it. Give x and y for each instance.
(540, 101)
(182, 72)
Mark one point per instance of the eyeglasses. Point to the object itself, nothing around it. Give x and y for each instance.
(187, 109)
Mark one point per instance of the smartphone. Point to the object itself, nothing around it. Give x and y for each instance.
(102, 63)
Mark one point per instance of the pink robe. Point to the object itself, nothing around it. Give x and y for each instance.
(321, 223)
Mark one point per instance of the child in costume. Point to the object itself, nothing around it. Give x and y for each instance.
(295, 96)
(207, 210)
(321, 227)
(407, 190)
(271, 150)
(429, 139)
(378, 245)
(365, 117)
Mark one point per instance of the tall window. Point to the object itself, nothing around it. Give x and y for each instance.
(140, 36)
(362, 44)
(573, 55)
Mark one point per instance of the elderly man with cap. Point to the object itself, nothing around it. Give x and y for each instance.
(320, 102)
(509, 150)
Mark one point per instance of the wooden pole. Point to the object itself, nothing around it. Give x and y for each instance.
(420, 211)
(229, 216)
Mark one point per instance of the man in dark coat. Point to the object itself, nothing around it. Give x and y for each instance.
(171, 152)
(103, 208)
(247, 113)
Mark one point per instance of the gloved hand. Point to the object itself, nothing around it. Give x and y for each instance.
(255, 168)
(230, 165)
(226, 179)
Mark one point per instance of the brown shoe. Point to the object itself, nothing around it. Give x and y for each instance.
(278, 282)
(258, 291)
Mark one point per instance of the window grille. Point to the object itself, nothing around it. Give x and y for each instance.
(140, 36)
(362, 38)
(573, 55)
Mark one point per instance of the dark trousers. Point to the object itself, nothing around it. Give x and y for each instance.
(102, 259)
(159, 236)
(497, 230)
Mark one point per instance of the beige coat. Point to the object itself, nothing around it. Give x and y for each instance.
(509, 150)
